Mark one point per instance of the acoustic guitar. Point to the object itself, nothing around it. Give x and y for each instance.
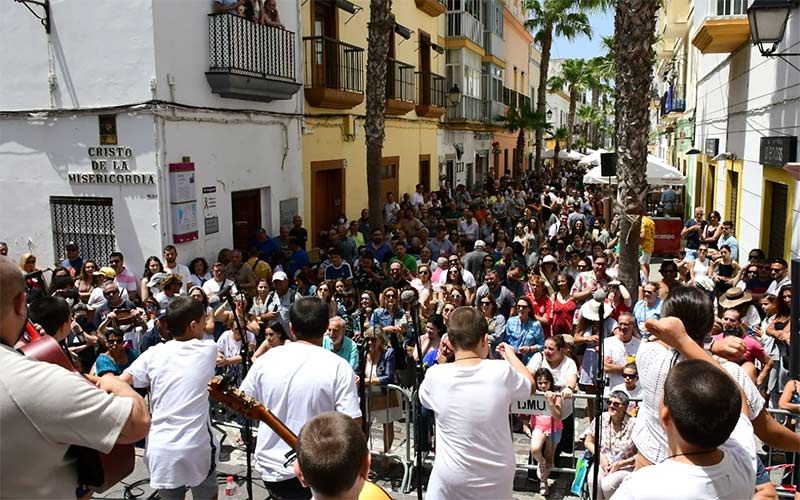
(234, 399)
(98, 470)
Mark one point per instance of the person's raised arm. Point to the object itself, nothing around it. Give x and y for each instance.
(138, 424)
(507, 352)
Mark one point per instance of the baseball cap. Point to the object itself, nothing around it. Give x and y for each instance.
(107, 272)
(156, 279)
(71, 244)
(279, 276)
(161, 313)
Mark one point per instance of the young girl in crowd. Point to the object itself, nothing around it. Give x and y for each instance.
(545, 430)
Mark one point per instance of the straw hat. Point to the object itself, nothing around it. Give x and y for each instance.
(591, 310)
(734, 297)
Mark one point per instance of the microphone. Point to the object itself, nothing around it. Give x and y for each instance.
(225, 292)
(407, 296)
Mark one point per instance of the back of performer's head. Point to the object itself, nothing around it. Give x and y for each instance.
(181, 313)
(703, 403)
(693, 307)
(309, 318)
(332, 455)
(466, 327)
(50, 312)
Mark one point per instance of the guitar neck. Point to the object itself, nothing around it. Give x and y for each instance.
(274, 423)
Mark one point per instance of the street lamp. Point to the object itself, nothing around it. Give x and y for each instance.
(768, 20)
(549, 114)
(454, 95)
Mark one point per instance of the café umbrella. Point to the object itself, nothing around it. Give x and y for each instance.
(659, 173)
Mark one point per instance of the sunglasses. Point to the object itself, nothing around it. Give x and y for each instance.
(424, 272)
(487, 303)
(615, 404)
(110, 294)
(390, 295)
(629, 375)
(113, 342)
(365, 298)
(522, 306)
(448, 309)
(455, 296)
(113, 262)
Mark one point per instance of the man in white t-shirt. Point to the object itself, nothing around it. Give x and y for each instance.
(474, 452)
(171, 266)
(297, 382)
(704, 414)
(620, 349)
(181, 450)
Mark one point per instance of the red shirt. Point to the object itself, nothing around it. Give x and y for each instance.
(562, 316)
(544, 308)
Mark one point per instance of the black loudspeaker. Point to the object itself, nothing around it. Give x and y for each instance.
(608, 164)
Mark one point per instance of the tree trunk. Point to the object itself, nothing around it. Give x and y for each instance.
(556, 150)
(541, 103)
(378, 38)
(633, 46)
(520, 152)
(573, 103)
(593, 128)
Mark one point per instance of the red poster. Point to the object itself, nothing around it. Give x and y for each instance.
(668, 235)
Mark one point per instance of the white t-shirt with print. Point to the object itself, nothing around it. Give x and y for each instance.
(618, 351)
(733, 477)
(297, 382)
(230, 347)
(474, 452)
(560, 373)
(180, 446)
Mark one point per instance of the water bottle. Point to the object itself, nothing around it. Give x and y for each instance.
(230, 487)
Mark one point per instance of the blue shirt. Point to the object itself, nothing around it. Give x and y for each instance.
(297, 261)
(105, 364)
(732, 243)
(382, 253)
(347, 351)
(520, 334)
(342, 272)
(641, 312)
(381, 317)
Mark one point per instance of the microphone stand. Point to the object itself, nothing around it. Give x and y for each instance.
(364, 346)
(419, 375)
(599, 384)
(246, 362)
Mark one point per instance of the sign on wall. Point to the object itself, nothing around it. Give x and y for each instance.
(210, 215)
(111, 165)
(712, 147)
(183, 202)
(288, 209)
(777, 151)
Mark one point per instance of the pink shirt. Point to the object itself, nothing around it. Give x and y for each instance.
(753, 349)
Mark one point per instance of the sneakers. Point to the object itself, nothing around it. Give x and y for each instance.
(543, 489)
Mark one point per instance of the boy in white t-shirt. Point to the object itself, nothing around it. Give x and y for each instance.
(471, 398)
(181, 450)
(704, 413)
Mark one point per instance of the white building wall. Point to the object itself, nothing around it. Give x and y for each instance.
(98, 53)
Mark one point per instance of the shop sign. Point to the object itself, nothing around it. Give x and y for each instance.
(712, 147)
(777, 151)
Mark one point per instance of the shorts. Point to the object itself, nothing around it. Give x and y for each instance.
(691, 255)
(208, 489)
(555, 437)
(644, 259)
(762, 476)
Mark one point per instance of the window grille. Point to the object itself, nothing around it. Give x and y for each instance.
(89, 222)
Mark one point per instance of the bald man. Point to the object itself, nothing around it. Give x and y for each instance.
(45, 410)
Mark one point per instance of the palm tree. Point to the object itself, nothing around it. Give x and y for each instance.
(573, 79)
(381, 24)
(561, 136)
(634, 33)
(591, 117)
(550, 18)
(599, 74)
(521, 120)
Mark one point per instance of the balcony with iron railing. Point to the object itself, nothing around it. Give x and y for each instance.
(431, 95)
(673, 101)
(334, 73)
(471, 109)
(250, 61)
(462, 24)
(399, 87)
(433, 8)
(724, 27)
(515, 99)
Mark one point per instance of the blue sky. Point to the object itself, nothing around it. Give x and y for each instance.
(602, 25)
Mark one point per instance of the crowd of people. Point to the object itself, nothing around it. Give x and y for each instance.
(526, 260)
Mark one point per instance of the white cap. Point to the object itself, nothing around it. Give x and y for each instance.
(279, 276)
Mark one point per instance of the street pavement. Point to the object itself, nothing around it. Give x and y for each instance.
(233, 462)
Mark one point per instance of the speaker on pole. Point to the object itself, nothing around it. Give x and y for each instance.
(608, 164)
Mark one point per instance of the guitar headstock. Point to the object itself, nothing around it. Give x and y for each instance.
(223, 391)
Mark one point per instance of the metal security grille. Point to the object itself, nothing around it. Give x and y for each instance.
(734, 178)
(89, 222)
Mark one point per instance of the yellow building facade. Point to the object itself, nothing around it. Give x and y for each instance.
(334, 149)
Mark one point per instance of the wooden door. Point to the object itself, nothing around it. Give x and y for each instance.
(327, 194)
(778, 196)
(425, 172)
(246, 210)
(326, 56)
(390, 176)
(426, 79)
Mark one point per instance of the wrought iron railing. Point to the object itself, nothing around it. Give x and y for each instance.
(463, 24)
(673, 101)
(238, 45)
(431, 89)
(515, 99)
(333, 64)
(399, 80)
